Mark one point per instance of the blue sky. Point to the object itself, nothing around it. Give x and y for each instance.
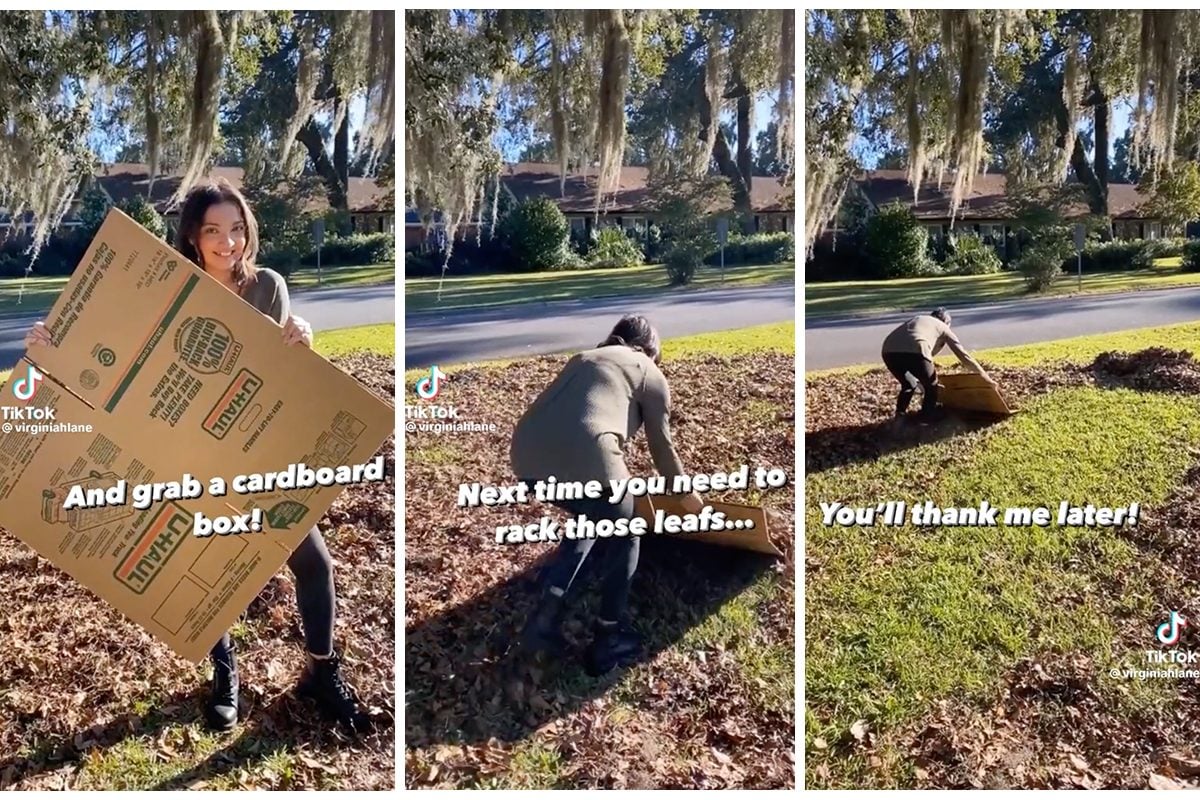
(106, 147)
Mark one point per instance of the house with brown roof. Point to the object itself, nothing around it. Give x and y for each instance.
(371, 207)
(990, 211)
(629, 207)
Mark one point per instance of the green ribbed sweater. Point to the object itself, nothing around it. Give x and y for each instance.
(576, 428)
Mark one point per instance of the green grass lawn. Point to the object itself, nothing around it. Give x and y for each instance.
(1078, 349)
(380, 339)
(38, 293)
(902, 618)
(367, 275)
(899, 619)
(780, 337)
(483, 291)
(875, 297)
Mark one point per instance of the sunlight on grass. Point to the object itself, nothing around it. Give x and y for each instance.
(1077, 350)
(378, 339)
(534, 766)
(779, 336)
(482, 291)
(141, 763)
(908, 294)
(363, 275)
(898, 618)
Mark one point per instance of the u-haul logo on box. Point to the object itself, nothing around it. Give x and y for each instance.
(150, 553)
(233, 403)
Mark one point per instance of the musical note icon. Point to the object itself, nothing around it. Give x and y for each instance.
(26, 387)
(429, 386)
(1170, 631)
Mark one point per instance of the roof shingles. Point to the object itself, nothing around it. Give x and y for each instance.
(989, 199)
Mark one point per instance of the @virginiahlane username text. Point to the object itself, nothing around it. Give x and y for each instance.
(463, 426)
(37, 428)
(1149, 674)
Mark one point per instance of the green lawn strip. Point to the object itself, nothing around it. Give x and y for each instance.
(1077, 349)
(484, 291)
(916, 294)
(362, 275)
(898, 618)
(777, 336)
(38, 292)
(379, 339)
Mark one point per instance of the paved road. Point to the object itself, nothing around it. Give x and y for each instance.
(540, 328)
(325, 309)
(842, 342)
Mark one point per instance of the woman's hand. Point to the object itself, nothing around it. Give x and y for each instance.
(692, 503)
(297, 331)
(39, 334)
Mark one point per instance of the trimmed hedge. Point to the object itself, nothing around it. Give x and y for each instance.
(359, 249)
(757, 248)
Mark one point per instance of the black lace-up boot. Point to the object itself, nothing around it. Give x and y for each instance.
(323, 683)
(222, 708)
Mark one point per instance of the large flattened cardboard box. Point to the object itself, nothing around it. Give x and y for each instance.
(176, 375)
(968, 393)
(756, 538)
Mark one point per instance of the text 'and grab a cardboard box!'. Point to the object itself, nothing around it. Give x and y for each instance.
(295, 476)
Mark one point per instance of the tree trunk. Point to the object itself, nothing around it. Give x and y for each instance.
(310, 137)
(725, 163)
(341, 163)
(1087, 175)
(745, 158)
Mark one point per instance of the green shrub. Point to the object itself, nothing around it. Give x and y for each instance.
(682, 261)
(1041, 262)
(757, 248)
(60, 255)
(143, 212)
(1104, 257)
(971, 256)
(1191, 257)
(611, 247)
(1158, 248)
(895, 243)
(361, 248)
(536, 236)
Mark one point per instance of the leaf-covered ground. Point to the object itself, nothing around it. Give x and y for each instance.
(89, 701)
(710, 705)
(981, 657)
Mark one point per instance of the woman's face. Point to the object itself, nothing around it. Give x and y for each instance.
(222, 237)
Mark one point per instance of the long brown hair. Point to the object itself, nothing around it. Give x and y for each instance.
(191, 219)
(635, 332)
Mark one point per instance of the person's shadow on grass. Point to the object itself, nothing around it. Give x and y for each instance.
(465, 681)
(847, 445)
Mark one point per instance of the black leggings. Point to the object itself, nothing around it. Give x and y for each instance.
(913, 370)
(622, 555)
(313, 568)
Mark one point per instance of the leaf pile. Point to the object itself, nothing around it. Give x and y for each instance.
(79, 682)
(687, 716)
(1155, 369)
(1051, 728)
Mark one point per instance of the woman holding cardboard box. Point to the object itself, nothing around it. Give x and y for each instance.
(575, 431)
(218, 232)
